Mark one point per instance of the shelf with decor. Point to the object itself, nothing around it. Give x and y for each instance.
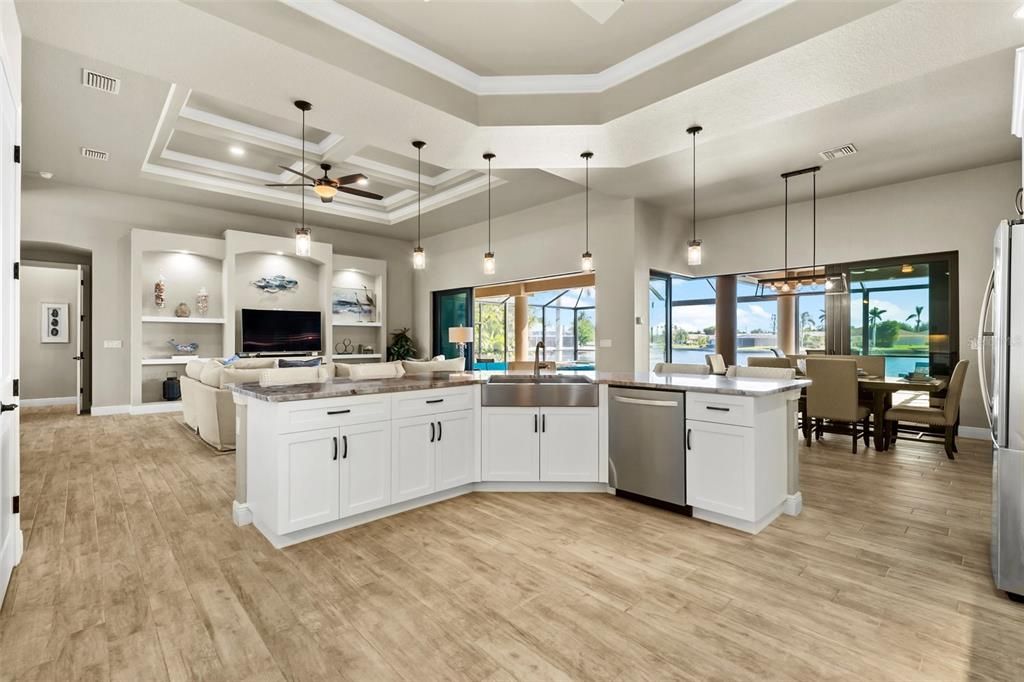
(147, 362)
(358, 312)
(357, 324)
(167, 319)
(356, 356)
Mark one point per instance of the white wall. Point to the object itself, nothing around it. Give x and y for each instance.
(100, 222)
(47, 369)
(952, 212)
(538, 242)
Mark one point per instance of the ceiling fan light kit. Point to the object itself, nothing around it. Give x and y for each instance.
(694, 249)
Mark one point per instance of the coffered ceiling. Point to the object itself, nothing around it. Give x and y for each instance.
(920, 87)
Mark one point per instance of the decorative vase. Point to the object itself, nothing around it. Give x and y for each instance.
(160, 293)
(182, 310)
(202, 302)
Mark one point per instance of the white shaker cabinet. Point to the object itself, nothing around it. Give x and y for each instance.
(308, 473)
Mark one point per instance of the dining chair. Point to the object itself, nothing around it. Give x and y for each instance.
(761, 372)
(766, 361)
(945, 416)
(681, 368)
(716, 363)
(833, 395)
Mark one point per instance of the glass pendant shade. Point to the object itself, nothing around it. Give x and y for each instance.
(303, 241)
(838, 285)
(587, 262)
(325, 191)
(694, 252)
(489, 265)
(419, 258)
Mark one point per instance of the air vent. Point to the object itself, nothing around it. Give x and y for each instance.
(838, 152)
(95, 154)
(98, 81)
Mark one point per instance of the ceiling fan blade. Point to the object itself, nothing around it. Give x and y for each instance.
(349, 179)
(292, 170)
(360, 193)
(277, 184)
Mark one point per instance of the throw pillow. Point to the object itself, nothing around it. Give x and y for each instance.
(386, 370)
(452, 365)
(304, 362)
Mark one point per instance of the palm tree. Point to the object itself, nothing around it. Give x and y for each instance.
(916, 316)
(874, 317)
(821, 321)
(805, 321)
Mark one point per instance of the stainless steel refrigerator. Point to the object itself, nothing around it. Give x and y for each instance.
(1001, 366)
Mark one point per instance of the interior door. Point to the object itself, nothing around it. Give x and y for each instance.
(79, 357)
(10, 533)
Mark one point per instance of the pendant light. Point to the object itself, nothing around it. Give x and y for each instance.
(587, 260)
(693, 249)
(303, 235)
(489, 264)
(419, 257)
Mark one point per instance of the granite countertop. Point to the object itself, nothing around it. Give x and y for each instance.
(743, 386)
(340, 388)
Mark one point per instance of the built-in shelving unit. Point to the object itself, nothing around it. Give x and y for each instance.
(166, 319)
(356, 356)
(368, 275)
(146, 362)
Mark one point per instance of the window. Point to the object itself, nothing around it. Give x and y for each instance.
(810, 316)
(757, 321)
(693, 319)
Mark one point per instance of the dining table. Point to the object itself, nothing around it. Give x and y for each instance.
(882, 389)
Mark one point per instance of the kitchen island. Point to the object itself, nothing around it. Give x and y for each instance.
(316, 458)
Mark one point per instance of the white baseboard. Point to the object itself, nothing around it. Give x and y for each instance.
(241, 513)
(752, 527)
(46, 402)
(540, 487)
(156, 408)
(793, 505)
(105, 410)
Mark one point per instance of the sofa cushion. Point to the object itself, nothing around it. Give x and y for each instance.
(302, 362)
(194, 368)
(212, 372)
(341, 369)
(376, 370)
(230, 375)
(452, 365)
(254, 363)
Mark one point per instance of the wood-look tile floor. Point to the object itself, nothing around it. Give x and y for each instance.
(133, 570)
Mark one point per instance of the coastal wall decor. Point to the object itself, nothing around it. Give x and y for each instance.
(275, 284)
(53, 327)
(351, 305)
(183, 310)
(203, 302)
(190, 347)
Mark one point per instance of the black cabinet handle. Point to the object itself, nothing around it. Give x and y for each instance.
(433, 431)
(535, 423)
(543, 423)
(335, 457)
(344, 453)
(8, 407)
(689, 432)
(717, 409)
(338, 411)
(435, 401)
(439, 432)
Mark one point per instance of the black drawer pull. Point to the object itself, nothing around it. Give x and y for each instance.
(439, 432)
(435, 401)
(689, 432)
(330, 412)
(718, 409)
(344, 453)
(335, 457)
(433, 431)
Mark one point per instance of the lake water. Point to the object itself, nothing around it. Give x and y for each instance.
(894, 366)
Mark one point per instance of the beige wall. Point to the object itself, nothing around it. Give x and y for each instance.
(47, 369)
(538, 242)
(100, 222)
(952, 212)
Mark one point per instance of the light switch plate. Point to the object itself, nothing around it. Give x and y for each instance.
(115, 343)
(606, 343)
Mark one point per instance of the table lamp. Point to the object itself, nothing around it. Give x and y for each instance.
(460, 336)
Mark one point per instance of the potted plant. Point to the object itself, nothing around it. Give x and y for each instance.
(402, 346)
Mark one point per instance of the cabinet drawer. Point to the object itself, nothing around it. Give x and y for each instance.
(419, 403)
(309, 414)
(720, 409)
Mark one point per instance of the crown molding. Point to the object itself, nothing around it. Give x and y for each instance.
(251, 131)
(356, 25)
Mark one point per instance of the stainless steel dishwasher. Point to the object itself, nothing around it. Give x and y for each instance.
(646, 444)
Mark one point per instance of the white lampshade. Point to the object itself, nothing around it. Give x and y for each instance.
(460, 335)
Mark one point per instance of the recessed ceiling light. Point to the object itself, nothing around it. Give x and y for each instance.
(364, 181)
(45, 175)
(236, 150)
(1019, 13)
(279, 253)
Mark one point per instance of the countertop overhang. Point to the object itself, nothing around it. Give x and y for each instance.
(340, 388)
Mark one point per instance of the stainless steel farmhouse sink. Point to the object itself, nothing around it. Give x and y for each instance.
(552, 390)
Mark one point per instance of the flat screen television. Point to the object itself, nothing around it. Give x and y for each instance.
(280, 331)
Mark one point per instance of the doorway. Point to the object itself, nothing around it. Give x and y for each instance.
(56, 368)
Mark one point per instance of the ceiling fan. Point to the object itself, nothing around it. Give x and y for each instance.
(327, 187)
